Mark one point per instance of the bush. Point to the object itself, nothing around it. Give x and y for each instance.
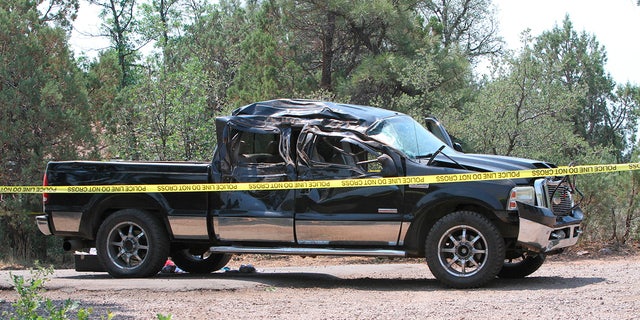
(31, 305)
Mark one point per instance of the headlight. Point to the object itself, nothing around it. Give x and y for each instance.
(522, 194)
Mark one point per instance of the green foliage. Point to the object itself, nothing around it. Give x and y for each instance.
(121, 26)
(434, 81)
(551, 100)
(214, 39)
(160, 18)
(59, 13)
(578, 61)
(615, 215)
(522, 113)
(175, 121)
(605, 118)
(44, 111)
(624, 120)
(264, 72)
(467, 25)
(42, 100)
(31, 305)
(103, 86)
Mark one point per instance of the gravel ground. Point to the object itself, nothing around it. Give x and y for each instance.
(603, 287)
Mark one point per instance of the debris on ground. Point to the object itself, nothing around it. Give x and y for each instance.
(245, 268)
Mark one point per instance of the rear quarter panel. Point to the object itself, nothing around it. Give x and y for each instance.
(78, 214)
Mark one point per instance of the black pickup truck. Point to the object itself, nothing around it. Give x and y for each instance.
(469, 232)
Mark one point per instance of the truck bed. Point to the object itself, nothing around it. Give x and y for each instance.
(68, 210)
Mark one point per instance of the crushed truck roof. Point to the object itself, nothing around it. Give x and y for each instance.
(311, 109)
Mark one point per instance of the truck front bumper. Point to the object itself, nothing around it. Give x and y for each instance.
(542, 231)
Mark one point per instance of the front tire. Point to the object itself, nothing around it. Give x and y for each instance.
(132, 243)
(200, 261)
(521, 266)
(464, 250)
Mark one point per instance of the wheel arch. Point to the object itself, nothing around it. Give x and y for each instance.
(108, 204)
(428, 214)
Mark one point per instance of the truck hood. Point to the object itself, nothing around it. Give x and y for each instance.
(489, 163)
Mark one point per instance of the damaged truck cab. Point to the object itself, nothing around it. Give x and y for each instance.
(469, 232)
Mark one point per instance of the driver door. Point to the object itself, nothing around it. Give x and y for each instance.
(359, 215)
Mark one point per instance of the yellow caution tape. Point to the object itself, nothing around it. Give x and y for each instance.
(342, 183)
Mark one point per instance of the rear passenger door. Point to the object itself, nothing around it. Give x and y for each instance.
(255, 154)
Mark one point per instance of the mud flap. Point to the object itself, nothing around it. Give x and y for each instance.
(85, 261)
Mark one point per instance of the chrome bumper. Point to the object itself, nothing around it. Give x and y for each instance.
(43, 225)
(541, 231)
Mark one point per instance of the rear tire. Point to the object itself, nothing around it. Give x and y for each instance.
(464, 250)
(132, 243)
(199, 261)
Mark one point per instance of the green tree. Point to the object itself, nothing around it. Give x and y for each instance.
(167, 114)
(469, 25)
(214, 38)
(605, 117)
(267, 69)
(578, 62)
(346, 47)
(160, 19)
(174, 120)
(519, 112)
(43, 111)
(60, 13)
(624, 114)
(435, 82)
(120, 26)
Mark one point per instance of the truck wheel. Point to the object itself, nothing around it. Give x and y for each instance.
(521, 266)
(199, 261)
(132, 243)
(464, 250)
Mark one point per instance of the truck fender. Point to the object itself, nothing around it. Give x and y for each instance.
(102, 205)
(435, 205)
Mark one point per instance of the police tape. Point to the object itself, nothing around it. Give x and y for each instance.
(341, 183)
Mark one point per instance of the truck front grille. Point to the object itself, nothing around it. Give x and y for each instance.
(560, 198)
(555, 195)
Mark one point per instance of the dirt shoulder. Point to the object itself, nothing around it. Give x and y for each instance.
(598, 285)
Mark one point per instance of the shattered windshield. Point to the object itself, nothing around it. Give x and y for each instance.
(406, 135)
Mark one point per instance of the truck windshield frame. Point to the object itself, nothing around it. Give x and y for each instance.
(406, 135)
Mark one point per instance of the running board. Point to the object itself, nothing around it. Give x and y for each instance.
(310, 251)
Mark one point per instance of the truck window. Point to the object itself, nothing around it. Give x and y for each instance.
(250, 147)
(328, 150)
(405, 134)
(333, 150)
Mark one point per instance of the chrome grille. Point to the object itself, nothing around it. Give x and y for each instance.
(555, 195)
(558, 197)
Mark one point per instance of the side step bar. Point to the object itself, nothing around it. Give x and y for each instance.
(310, 251)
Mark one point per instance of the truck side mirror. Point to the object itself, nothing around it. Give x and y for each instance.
(388, 166)
(437, 129)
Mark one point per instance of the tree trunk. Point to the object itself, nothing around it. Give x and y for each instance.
(328, 33)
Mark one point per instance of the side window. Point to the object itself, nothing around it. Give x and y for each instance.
(335, 150)
(250, 147)
(329, 150)
(371, 164)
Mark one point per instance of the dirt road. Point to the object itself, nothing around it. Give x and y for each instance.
(342, 288)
